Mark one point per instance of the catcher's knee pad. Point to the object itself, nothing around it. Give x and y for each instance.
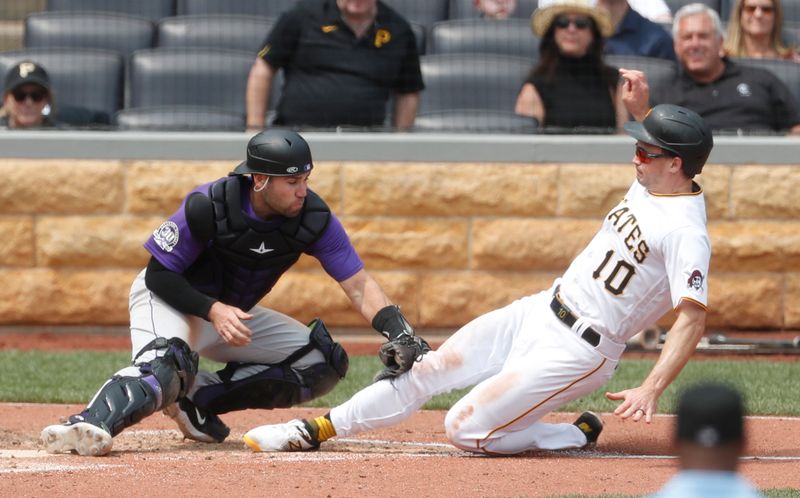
(279, 385)
(126, 399)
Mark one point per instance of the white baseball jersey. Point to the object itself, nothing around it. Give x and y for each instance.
(652, 252)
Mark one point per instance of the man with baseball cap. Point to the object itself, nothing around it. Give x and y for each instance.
(650, 257)
(211, 263)
(27, 99)
(710, 439)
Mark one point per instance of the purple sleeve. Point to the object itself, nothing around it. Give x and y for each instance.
(172, 244)
(335, 252)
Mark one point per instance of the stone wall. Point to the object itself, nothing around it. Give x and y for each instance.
(446, 241)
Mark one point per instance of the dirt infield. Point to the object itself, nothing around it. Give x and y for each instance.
(411, 459)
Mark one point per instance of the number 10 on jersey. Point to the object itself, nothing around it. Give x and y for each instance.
(618, 273)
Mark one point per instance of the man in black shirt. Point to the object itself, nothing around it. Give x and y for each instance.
(341, 60)
(730, 97)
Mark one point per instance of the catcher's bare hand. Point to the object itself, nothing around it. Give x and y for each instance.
(227, 321)
(399, 355)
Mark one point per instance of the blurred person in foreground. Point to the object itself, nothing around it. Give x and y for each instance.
(731, 97)
(342, 60)
(710, 439)
(571, 89)
(27, 100)
(755, 30)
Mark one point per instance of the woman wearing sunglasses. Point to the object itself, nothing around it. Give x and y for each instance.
(571, 89)
(27, 101)
(755, 30)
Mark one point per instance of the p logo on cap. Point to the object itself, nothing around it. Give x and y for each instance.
(26, 68)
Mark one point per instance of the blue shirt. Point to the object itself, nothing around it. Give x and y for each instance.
(637, 35)
(707, 484)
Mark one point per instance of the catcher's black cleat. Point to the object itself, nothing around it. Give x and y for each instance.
(196, 423)
(590, 424)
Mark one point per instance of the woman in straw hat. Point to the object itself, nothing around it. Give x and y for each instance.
(571, 89)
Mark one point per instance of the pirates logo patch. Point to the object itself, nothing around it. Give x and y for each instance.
(166, 236)
(695, 280)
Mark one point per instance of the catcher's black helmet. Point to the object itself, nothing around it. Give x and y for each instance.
(276, 153)
(678, 130)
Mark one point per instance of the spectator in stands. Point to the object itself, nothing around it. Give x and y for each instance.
(634, 34)
(495, 9)
(655, 10)
(755, 30)
(341, 60)
(710, 439)
(27, 101)
(731, 97)
(570, 88)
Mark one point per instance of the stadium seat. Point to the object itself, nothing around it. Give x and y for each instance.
(425, 12)
(475, 121)
(179, 118)
(791, 10)
(725, 8)
(150, 9)
(659, 72)
(263, 8)
(791, 34)
(189, 77)
(118, 32)
(221, 31)
(85, 81)
(419, 34)
(506, 37)
(786, 71)
(471, 82)
(465, 9)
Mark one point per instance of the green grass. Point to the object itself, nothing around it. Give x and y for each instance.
(73, 377)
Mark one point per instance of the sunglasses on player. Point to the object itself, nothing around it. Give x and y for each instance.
(563, 22)
(645, 156)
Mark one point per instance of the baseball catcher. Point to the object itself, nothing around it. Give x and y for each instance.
(211, 263)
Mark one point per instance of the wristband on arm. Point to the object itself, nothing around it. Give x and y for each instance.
(391, 323)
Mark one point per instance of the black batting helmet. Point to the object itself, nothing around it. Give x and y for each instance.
(678, 130)
(276, 153)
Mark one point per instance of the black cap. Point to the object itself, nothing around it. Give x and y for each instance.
(276, 153)
(678, 130)
(27, 72)
(710, 415)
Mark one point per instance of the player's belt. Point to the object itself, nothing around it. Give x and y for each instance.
(566, 315)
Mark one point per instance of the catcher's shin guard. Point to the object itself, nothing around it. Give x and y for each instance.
(278, 385)
(126, 399)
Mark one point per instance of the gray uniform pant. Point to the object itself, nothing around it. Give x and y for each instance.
(275, 336)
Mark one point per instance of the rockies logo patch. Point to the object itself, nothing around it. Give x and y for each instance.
(166, 236)
(695, 280)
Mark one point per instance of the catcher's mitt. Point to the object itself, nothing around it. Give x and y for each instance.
(399, 355)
